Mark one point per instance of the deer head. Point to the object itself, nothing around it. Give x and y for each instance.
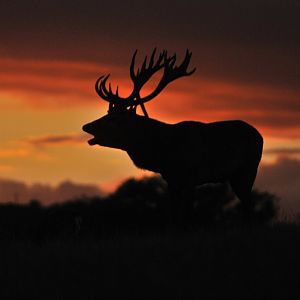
(115, 128)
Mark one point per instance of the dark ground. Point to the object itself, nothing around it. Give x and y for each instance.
(254, 263)
(120, 247)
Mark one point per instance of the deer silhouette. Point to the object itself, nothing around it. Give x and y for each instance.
(186, 154)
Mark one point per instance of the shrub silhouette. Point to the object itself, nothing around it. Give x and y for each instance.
(212, 202)
(136, 207)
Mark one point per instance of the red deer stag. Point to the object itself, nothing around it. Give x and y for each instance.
(186, 154)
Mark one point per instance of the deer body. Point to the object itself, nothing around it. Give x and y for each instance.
(195, 153)
(186, 154)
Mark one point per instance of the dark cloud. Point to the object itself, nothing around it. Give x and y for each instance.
(57, 140)
(19, 192)
(274, 22)
(283, 179)
(283, 151)
(250, 41)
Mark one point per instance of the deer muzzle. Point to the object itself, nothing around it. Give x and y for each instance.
(87, 128)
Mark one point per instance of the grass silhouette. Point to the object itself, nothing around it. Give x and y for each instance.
(261, 263)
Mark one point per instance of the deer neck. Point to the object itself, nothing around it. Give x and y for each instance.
(147, 148)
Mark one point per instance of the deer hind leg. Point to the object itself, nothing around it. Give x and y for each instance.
(242, 184)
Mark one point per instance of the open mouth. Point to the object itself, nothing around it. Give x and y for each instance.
(92, 141)
(86, 128)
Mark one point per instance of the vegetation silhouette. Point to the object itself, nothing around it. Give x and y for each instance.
(137, 207)
(90, 247)
(261, 263)
(187, 154)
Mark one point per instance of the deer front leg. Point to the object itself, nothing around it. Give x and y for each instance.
(180, 205)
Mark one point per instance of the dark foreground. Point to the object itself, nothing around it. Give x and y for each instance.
(235, 263)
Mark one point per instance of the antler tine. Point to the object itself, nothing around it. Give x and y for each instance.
(132, 75)
(97, 82)
(171, 72)
(151, 62)
(99, 87)
(143, 68)
(104, 93)
(171, 61)
(141, 76)
(186, 62)
(174, 72)
(110, 90)
(145, 72)
(162, 56)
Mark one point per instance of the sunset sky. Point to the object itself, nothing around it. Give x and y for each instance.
(247, 55)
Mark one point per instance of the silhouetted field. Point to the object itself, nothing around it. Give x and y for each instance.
(122, 246)
(257, 263)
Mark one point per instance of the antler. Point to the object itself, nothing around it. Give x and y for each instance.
(141, 76)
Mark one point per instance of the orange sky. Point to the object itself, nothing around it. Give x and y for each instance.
(50, 59)
(44, 105)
